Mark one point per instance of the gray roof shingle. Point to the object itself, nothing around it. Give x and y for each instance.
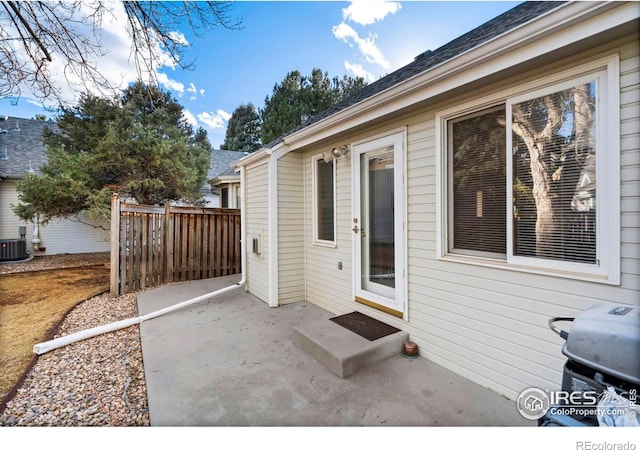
(221, 161)
(22, 139)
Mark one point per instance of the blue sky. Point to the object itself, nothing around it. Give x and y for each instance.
(234, 67)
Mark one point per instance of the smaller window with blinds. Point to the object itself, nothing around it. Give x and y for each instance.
(477, 188)
(224, 197)
(324, 201)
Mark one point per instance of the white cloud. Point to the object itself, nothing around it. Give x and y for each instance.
(359, 71)
(193, 90)
(114, 62)
(367, 46)
(190, 118)
(37, 103)
(214, 120)
(344, 32)
(366, 12)
(178, 37)
(202, 91)
(165, 81)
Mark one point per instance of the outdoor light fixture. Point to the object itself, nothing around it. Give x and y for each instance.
(339, 151)
(336, 152)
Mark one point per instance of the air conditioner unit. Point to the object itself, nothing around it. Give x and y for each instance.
(13, 250)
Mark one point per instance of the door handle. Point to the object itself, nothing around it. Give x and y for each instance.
(355, 229)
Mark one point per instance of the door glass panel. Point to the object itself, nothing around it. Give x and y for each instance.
(378, 243)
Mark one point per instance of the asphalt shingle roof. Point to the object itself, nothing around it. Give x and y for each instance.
(221, 161)
(509, 20)
(22, 139)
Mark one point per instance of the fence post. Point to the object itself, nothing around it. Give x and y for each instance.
(114, 268)
(167, 254)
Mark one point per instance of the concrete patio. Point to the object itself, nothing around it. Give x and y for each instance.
(231, 361)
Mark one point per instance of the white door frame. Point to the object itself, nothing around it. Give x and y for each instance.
(396, 303)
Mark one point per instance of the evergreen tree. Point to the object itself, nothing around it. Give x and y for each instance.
(243, 130)
(299, 97)
(137, 145)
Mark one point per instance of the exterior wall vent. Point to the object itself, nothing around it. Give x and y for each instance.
(255, 245)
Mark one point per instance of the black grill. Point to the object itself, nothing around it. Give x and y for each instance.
(602, 350)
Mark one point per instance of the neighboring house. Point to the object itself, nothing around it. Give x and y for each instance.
(413, 199)
(22, 151)
(223, 183)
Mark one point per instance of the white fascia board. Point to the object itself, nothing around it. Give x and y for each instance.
(563, 26)
(279, 150)
(224, 179)
(250, 158)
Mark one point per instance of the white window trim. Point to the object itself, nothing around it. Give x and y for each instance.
(314, 180)
(606, 71)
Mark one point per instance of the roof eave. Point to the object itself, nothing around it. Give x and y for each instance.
(451, 73)
(224, 179)
(257, 156)
(251, 158)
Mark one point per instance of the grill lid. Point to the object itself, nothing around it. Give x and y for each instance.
(607, 339)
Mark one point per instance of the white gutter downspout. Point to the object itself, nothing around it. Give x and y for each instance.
(243, 223)
(45, 347)
(36, 233)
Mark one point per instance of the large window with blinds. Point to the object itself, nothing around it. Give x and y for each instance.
(554, 185)
(532, 179)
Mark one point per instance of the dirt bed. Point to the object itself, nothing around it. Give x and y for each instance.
(95, 382)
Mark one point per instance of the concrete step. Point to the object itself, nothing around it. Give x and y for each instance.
(342, 351)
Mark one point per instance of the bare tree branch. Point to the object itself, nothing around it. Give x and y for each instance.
(38, 36)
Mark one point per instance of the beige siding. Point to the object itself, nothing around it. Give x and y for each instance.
(630, 162)
(290, 229)
(58, 236)
(487, 324)
(257, 218)
(327, 285)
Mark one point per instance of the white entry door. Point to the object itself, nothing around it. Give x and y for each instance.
(378, 223)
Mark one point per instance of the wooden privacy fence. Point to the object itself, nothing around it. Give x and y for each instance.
(153, 245)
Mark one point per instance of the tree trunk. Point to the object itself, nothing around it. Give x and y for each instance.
(537, 142)
(546, 226)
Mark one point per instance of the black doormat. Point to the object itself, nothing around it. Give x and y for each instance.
(365, 326)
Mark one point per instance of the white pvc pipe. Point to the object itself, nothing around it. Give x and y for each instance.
(45, 347)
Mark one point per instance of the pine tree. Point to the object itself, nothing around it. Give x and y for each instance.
(137, 145)
(299, 97)
(243, 130)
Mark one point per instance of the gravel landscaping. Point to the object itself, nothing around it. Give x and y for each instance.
(96, 382)
(56, 262)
